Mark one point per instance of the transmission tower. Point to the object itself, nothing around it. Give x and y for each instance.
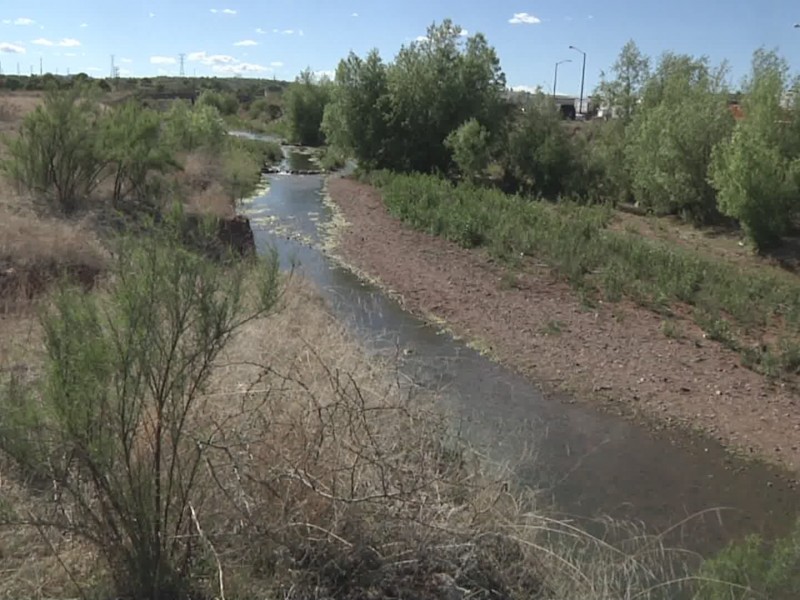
(182, 56)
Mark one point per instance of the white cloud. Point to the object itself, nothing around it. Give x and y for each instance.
(246, 43)
(238, 68)
(161, 71)
(125, 72)
(94, 69)
(64, 43)
(464, 33)
(11, 48)
(151, 15)
(277, 64)
(354, 15)
(420, 38)
(329, 73)
(24, 21)
(260, 31)
(70, 54)
(162, 60)
(524, 19)
(590, 17)
(224, 11)
(127, 61)
(6, 21)
(84, 24)
(211, 59)
(531, 89)
(287, 31)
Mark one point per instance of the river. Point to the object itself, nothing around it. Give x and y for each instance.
(585, 462)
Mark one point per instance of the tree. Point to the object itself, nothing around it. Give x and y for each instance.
(225, 103)
(434, 86)
(631, 71)
(399, 116)
(57, 152)
(470, 147)
(540, 156)
(356, 121)
(305, 102)
(683, 115)
(757, 171)
(132, 144)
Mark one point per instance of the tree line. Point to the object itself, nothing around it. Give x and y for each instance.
(675, 147)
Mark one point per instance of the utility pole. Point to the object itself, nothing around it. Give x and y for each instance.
(40, 67)
(555, 78)
(583, 76)
(182, 57)
(17, 67)
(113, 68)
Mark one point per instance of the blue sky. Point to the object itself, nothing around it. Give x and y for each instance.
(265, 39)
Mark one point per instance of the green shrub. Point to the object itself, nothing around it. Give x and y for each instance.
(225, 103)
(470, 147)
(114, 422)
(57, 153)
(187, 128)
(754, 568)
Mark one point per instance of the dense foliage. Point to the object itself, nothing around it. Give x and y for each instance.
(672, 145)
(73, 143)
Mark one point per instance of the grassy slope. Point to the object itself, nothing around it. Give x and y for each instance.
(752, 309)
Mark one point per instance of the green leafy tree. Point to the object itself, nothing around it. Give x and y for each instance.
(470, 146)
(757, 171)
(540, 156)
(434, 86)
(305, 102)
(132, 144)
(357, 119)
(682, 117)
(57, 153)
(225, 103)
(622, 93)
(189, 128)
(399, 116)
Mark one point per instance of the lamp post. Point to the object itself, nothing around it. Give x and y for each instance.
(583, 76)
(555, 77)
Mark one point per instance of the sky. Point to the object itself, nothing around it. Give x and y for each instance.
(262, 38)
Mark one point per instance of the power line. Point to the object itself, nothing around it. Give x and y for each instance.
(182, 57)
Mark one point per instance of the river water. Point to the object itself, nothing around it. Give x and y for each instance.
(585, 462)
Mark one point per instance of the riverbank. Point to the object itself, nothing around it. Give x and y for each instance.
(613, 354)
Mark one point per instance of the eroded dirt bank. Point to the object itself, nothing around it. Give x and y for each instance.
(616, 355)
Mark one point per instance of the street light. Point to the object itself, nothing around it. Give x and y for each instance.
(555, 78)
(583, 76)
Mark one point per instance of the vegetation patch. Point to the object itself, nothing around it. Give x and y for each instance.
(733, 304)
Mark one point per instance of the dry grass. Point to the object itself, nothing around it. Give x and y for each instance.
(326, 475)
(35, 250)
(199, 183)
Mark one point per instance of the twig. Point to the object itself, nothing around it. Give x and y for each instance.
(213, 551)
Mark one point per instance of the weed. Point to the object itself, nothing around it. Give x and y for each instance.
(553, 327)
(671, 329)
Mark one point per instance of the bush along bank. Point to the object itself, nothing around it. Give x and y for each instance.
(734, 305)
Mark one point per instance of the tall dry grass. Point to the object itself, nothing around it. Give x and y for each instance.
(36, 250)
